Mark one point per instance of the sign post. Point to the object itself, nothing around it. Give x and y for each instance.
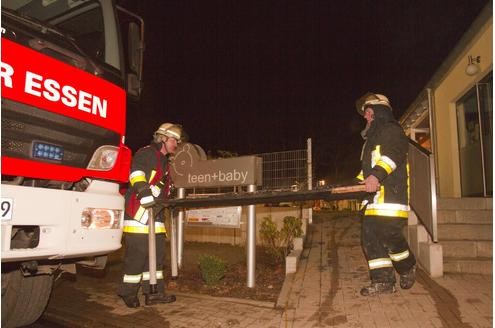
(310, 175)
(251, 242)
(173, 247)
(191, 169)
(181, 194)
(152, 251)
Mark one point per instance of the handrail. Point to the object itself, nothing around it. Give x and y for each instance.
(420, 148)
(423, 198)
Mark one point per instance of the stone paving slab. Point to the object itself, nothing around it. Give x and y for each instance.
(323, 292)
(335, 270)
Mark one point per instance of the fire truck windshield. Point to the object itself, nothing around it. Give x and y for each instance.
(81, 21)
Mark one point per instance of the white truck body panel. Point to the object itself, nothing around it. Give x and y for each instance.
(58, 214)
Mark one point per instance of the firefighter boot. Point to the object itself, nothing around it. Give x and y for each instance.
(378, 288)
(158, 298)
(131, 301)
(408, 278)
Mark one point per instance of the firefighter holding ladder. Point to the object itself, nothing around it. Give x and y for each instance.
(384, 173)
(149, 183)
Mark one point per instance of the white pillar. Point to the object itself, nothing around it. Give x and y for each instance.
(251, 242)
(181, 193)
(173, 246)
(152, 250)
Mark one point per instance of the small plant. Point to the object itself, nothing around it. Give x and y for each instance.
(279, 243)
(212, 268)
(271, 238)
(292, 229)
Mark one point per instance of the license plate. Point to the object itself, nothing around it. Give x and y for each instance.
(6, 206)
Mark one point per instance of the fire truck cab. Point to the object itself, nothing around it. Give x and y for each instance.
(68, 69)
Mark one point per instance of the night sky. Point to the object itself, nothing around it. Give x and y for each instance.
(262, 76)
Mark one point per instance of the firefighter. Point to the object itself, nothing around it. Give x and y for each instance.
(149, 180)
(384, 172)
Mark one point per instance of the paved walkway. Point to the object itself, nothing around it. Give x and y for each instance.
(324, 292)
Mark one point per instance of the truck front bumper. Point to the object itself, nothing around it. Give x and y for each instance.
(57, 217)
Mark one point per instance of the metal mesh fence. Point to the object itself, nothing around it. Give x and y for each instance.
(285, 170)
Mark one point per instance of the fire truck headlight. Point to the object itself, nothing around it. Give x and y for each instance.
(101, 218)
(104, 158)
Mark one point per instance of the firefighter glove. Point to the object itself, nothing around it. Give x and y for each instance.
(146, 198)
(155, 190)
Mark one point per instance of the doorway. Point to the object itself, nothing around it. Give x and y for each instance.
(475, 139)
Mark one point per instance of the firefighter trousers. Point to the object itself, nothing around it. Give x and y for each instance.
(136, 264)
(385, 247)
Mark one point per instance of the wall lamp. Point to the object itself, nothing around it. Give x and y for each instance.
(473, 68)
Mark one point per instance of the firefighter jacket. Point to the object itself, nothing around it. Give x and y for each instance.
(149, 172)
(384, 155)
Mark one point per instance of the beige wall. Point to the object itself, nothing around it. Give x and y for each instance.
(455, 84)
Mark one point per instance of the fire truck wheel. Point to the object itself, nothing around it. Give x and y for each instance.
(24, 298)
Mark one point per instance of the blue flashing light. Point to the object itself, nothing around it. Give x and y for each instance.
(47, 151)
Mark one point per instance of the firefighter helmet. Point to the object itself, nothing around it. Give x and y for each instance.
(371, 99)
(169, 130)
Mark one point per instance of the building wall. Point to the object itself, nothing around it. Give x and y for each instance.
(455, 84)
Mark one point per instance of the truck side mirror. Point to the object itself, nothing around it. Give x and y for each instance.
(135, 48)
(135, 55)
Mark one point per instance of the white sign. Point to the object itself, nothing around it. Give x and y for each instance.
(6, 206)
(221, 217)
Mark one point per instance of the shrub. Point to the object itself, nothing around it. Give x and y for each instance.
(292, 229)
(271, 239)
(279, 243)
(212, 268)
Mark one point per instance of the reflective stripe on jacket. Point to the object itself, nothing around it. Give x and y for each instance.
(385, 156)
(133, 226)
(149, 169)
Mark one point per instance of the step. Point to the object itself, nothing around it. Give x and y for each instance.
(465, 216)
(465, 265)
(466, 203)
(464, 232)
(467, 248)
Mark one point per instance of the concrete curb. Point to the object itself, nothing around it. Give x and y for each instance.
(284, 294)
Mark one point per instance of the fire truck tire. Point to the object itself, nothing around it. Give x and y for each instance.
(24, 298)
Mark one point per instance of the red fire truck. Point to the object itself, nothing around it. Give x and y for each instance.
(68, 69)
